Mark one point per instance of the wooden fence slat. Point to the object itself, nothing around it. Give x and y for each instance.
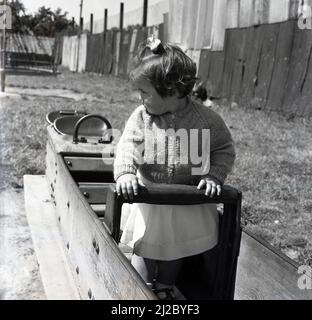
(101, 53)
(279, 11)
(204, 65)
(189, 25)
(293, 8)
(281, 66)
(103, 39)
(266, 65)
(219, 25)
(214, 83)
(306, 92)
(124, 53)
(232, 14)
(175, 20)
(132, 50)
(108, 52)
(116, 56)
(261, 12)
(299, 63)
(166, 27)
(241, 39)
(246, 13)
(161, 32)
(229, 58)
(255, 39)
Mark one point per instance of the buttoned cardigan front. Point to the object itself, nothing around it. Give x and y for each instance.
(149, 145)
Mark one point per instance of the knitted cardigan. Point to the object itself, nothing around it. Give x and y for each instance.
(165, 162)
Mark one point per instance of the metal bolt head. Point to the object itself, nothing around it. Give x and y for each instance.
(97, 249)
(69, 163)
(87, 195)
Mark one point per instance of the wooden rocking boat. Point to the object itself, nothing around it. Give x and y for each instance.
(74, 214)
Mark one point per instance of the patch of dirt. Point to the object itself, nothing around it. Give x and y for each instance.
(19, 270)
(46, 92)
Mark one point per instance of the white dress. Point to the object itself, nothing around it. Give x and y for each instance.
(169, 232)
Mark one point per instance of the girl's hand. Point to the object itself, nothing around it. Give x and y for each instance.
(212, 186)
(128, 186)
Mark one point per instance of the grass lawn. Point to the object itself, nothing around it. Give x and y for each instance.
(274, 154)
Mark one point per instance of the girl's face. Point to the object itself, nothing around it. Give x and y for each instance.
(153, 102)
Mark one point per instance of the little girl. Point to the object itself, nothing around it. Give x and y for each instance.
(147, 153)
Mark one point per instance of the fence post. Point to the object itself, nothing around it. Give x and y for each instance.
(105, 20)
(121, 16)
(91, 23)
(145, 8)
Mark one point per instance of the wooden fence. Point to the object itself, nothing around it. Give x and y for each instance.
(264, 67)
(105, 53)
(25, 50)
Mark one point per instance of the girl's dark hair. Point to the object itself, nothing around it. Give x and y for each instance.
(166, 67)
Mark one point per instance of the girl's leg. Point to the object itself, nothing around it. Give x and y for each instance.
(168, 271)
(210, 268)
(145, 267)
(166, 276)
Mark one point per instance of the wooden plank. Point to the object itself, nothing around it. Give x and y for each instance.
(116, 52)
(294, 8)
(261, 12)
(208, 23)
(108, 52)
(299, 64)
(266, 65)
(204, 65)
(90, 53)
(132, 50)
(55, 273)
(214, 82)
(95, 193)
(219, 25)
(99, 268)
(242, 45)
(102, 53)
(263, 274)
(254, 46)
(281, 66)
(176, 21)
(229, 58)
(279, 11)
(124, 53)
(189, 25)
(89, 164)
(232, 14)
(306, 92)
(99, 210)
(246, 13)
(203, 34)
(161, 31)
(166, 27)
(301, 102)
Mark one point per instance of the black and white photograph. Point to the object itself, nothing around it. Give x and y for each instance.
(156, 151)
